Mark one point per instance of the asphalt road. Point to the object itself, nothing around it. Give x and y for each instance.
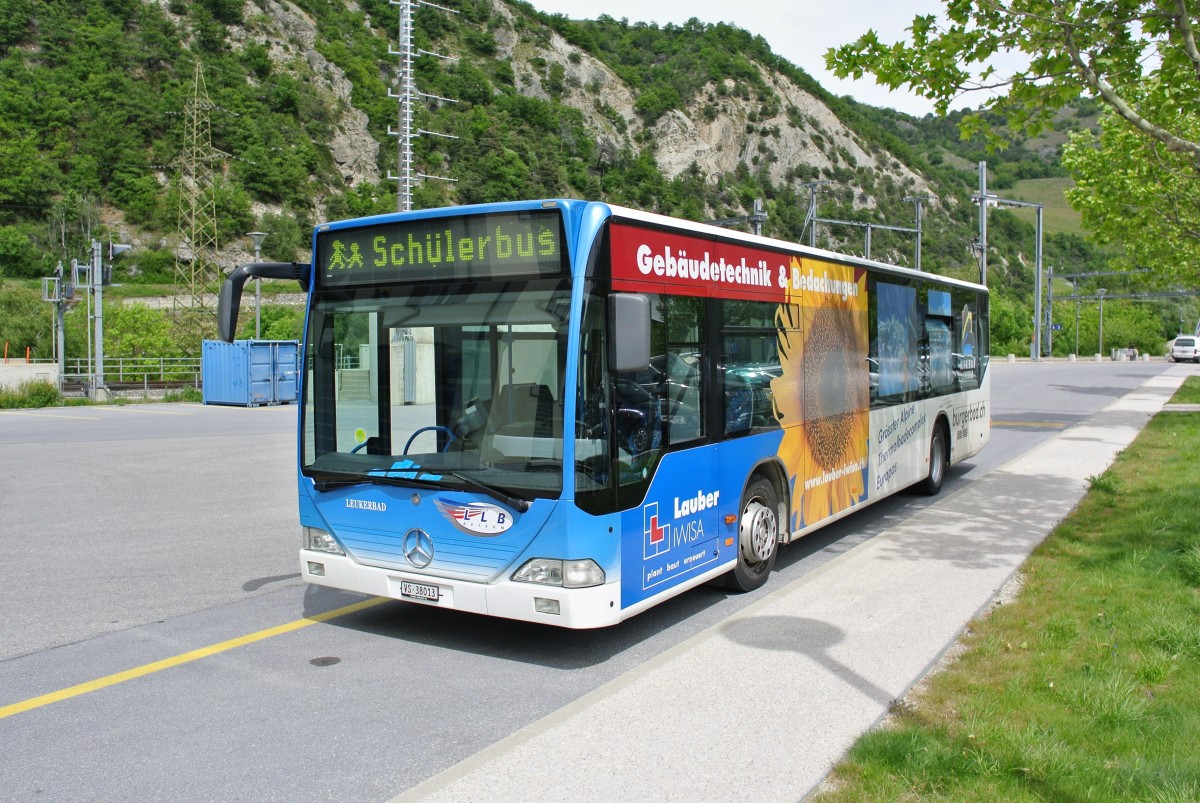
(135, 535)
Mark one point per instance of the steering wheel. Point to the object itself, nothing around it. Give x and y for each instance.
(436, 428)
(585, 430)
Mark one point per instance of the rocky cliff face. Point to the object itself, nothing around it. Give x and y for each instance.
(716, 130)
(292, 34)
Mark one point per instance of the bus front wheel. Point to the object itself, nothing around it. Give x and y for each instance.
(758, 536)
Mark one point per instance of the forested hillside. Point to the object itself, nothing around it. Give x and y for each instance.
(696, 121)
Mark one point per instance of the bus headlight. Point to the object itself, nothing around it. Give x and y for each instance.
(320, 541)
(582, 573)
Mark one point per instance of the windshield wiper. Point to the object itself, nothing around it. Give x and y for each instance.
(499, 494)
(375, 479)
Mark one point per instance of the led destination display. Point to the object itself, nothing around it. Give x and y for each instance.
(501, 245)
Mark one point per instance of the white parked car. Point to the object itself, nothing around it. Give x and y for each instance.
(1184, 348)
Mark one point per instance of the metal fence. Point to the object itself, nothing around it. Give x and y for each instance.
(178, 371)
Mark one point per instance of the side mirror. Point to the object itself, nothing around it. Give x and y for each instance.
(629, 332)
(230, 299)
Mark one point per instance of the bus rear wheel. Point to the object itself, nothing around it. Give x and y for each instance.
(758, 536)
(939, 461)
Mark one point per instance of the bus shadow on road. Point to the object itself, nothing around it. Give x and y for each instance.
(1113, 392)
(994, 522)
(525, 642)
(845, 534)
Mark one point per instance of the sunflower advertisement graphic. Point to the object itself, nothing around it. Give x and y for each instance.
(822, 397)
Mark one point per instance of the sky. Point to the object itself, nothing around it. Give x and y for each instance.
(798, 30)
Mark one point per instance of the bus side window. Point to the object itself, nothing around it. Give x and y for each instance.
(739, 404)
(750, 362)
(682, 392)
(969, 339)
(895, 344)
(664, 405)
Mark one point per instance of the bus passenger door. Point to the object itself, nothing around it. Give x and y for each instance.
(524, 419)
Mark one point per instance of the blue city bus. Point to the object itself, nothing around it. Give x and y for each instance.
(566, 412)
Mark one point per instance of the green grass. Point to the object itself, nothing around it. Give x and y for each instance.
(39, 393)
(1057, 215)
(1189, 393)
(184, 394)
(32, 393)
(1087, 686)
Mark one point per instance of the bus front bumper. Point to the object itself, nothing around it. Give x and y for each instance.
(598, 606)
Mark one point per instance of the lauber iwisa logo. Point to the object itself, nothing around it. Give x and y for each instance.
(655, 532)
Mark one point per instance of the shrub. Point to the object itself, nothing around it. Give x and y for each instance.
(33, 393)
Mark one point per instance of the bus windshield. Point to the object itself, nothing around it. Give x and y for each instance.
(458, 385)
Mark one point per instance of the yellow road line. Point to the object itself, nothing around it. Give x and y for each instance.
(53, 415)
(1050, 424)
(194, 655)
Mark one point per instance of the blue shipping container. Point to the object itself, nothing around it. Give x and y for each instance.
(250, 372)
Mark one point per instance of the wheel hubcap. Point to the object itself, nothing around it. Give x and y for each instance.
(757, 532)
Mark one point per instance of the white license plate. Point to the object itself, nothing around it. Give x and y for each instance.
(419, 591)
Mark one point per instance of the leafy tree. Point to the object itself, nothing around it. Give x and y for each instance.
(210, 34)
(1092, 47)
(18, 257)
(149, 265)
(1126, 325)
(469, 84)
(227, 11)
(1132, 189)
(139, 194)
(15, 19)
(1011, 327)
(234, 218)
(135, 330)
(26, 178)
(502, 176)
(25, 322)
(361, 201)
(1137, 57)
(277, 322)
(258, 59)
(286, 236)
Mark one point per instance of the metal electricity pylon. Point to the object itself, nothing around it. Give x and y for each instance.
(195, 257)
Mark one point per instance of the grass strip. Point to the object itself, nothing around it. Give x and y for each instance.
(1189, 393)
(1086, 686)
(39, 393)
